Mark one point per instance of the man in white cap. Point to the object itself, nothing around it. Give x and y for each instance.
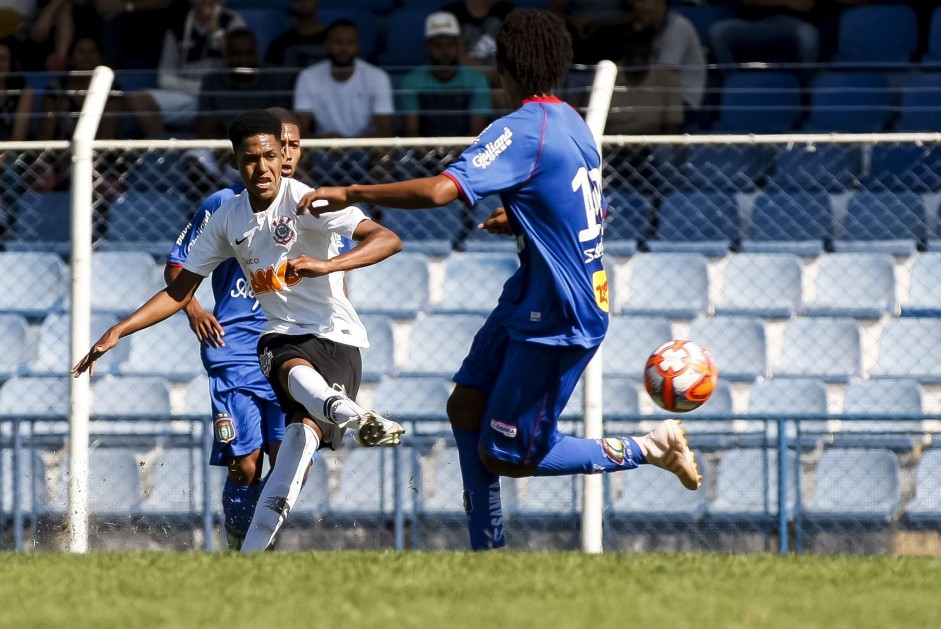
(446, 98)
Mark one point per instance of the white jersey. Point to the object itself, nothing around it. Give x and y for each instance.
(263, 242)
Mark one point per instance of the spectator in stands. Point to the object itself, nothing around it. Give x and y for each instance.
(192, 48)
(42, 30)
(447, 97)
(344, 96)
(133, 31)
(16, 97)
(480, 20)
(302, 45)
(596, 27)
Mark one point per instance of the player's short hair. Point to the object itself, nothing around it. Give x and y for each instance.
(535, 48)
(286, 116)
(253, 122)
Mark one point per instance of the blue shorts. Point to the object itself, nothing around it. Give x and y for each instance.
(528, 385)
(246, 414)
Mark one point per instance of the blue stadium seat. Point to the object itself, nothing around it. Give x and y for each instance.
(759, 102)
(860, 285)
(397, 288)
(14, 330)
(672, 285)
(177, 485)
(421, 232)
(553, 497)
(925, 507)
(122, 281)
(168, 349)
(473, 281)
(747, 488)
(905, 167)
(894, 27)
(715, 168)
(413, 399)
(439, 343)
(45, 290)
(479, 240)
(868, 496)
(737, 343)
(745, 286)
(651, 497)
(698, 222)
(820, 347)
(910, 348)
(267, 22)
(43, 223)
(933, 56)
(405, 36)
(796, 221)
(114, 481)
(53, 348)
(365, 484)
(42, 398)
(816, 168)
(147, 221)
(443, 491)
(921, 98)
(620, 397)
(131, 398)
(366, 24)
(851, 102)
(630, 341)
(379, 357)
(901, 400)
(702, 16)
(881, 220)
(924, 293)
(627, 222)
(797, 399)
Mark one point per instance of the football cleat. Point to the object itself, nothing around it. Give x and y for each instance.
(375, 430)
(667, 448)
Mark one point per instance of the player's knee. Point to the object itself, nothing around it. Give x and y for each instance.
(466, 407)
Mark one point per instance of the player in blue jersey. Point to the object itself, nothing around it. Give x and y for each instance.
(247, 418)
(550, 319)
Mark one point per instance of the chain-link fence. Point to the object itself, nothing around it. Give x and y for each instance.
(810, 269)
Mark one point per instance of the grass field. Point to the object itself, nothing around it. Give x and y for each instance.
(452, 590)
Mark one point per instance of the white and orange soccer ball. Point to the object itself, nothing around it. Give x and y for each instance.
(680, 376)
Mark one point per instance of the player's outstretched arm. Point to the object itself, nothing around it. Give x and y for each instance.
(414, 194)
(159, 307)
(203, 323)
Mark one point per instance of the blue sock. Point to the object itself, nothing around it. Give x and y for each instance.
(238, 505)
(481, 494)
(572, 455)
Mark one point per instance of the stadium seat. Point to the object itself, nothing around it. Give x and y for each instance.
(798, 399)
(379, 357)
(44, 401)
(196, 400)
(439, 343)
(651, 497)
(44, 291)
(114, 481)
(405, 36)
(168, 349)
(820, 347)
(53, 349)
(921, 98)
(925, 507)
(397, 288)
(816, 168)
(267, 22)
(747, 488)
(860, 285)
(413, 399)
(366, 24)
(122, 281)
(900, 400)
(702, 16)
(672, 285)
(725, 169)
(473, 282)
(868, 496)
(621, 398)
(147, 221)
(444, 489)
(759, 102)
(711, 426)
(545, 498)
(796, 222)
(433, 234)
(737, 343)
(891, 222)
(910, 348)
(762, 284)
(177, 483)
(479, 240)
(22, 477)
(131, 405)
(933, 56)
(902, 168)
(365, 485)
(894, 27)
(849, 102)
(630, 341)
(697, 222)
(15, 334)
(314, 499)
(43, 223)
(627, 222)
(924, 293)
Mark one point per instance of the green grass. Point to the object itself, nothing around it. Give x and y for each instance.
(346, 590)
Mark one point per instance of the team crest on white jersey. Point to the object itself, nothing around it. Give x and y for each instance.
(284, 231)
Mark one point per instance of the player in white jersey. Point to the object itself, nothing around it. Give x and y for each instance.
(310, 349)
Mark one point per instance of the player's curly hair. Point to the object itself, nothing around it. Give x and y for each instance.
(536, 49)
(253, 122)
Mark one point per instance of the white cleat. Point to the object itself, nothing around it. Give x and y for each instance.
(666, 447)
(375, 430)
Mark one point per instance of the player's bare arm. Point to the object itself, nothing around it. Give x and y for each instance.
(415, 194)
(203, 323)
(376, 244)
(161, 306)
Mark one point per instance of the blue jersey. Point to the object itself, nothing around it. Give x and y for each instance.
(543, 162)
(236, 308)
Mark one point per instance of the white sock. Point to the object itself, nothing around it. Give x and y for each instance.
(321, 400)
(282, 487)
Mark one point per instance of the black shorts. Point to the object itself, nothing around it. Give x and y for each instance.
(339, 364)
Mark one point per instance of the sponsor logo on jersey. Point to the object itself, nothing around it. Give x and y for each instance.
(492, 150)
(271, 279)
(599, 280)
(264, 361)
(284, 232)
(613, 449)
(507, 430)
(224, 428)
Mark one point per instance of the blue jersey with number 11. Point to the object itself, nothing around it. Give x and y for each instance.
(543, 162)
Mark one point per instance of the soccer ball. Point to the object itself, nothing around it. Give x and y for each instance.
(680, 376)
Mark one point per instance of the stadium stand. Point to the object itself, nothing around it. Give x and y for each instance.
(439, 343)
(849, 102)
(747, 488)
(896, 26)
(176, 488)
(910, 348)
(924, 293)
(407, 272)
(147, 221)
(379, 357)
(627, 222)
(811, 169)
(169, 350)
(882, 220)
(743, 290)
(416, 399)
(723, 169)
(630, 341)
(420, 235)
(904, 169)
(473, 281)
(652, 500)
(921, 99)
(860, 285)
(664, 284)
(14, 331)
(820, 347)
(122, 281)
(898, 402)
(802, 400)
(796, 222)
(42, 224)
(117, 490)
(759, 102)
(39, 297)
(738, 343)
(924, 510)
(52, 346)
(871, 498)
